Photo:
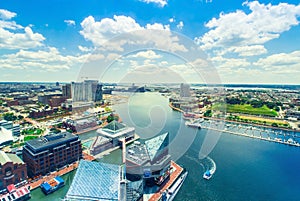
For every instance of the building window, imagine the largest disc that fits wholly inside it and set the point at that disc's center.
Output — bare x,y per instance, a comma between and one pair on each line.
16,178
8,171
23,175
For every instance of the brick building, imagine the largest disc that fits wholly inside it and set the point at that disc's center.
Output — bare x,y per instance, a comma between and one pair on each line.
12,170
50,152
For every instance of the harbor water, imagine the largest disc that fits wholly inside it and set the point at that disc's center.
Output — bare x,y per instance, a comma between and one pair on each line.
247,169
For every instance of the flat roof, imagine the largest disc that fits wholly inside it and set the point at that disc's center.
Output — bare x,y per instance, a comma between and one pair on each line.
48,141
95,181
137,153
141,153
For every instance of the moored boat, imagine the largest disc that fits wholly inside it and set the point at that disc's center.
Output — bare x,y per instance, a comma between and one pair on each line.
171,192
52,185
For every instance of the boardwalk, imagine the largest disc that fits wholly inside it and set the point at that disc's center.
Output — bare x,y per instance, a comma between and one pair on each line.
36,183
174,175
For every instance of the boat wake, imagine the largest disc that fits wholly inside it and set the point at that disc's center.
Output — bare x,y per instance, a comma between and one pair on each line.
211,170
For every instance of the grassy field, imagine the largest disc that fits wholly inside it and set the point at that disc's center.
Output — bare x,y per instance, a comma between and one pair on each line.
245,109
264,120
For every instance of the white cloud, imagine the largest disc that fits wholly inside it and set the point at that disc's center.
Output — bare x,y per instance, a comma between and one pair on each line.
251,50
149,54
84,49
262,24
180,25
25,40
283,63
158,26
223,63
70,22
6,15
124,30
100,32
50,60
160,3
15,36
172,19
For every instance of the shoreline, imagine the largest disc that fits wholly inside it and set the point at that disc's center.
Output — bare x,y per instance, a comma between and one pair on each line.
238,122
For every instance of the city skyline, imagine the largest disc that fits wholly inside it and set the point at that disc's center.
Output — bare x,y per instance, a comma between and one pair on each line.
246,41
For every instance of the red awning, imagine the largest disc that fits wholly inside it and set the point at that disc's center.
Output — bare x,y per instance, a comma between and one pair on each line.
11,188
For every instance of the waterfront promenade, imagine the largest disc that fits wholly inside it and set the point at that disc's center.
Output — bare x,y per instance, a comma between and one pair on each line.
269,139
68,168
173,177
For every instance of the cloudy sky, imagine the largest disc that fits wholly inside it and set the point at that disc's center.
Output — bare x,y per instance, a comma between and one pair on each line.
150,41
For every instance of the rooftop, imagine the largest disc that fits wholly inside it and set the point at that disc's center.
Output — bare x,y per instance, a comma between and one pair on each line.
7,157
5,135
95,181
114,126
156,145
141,153
50,140
115,129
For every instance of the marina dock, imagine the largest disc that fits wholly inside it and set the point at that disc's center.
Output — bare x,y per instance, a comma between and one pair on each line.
259,136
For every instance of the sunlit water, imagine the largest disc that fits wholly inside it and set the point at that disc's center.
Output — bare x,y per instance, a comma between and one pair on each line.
247,169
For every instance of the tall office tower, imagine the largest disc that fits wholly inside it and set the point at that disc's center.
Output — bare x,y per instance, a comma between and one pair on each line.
66,91
84,91
99,93
185,90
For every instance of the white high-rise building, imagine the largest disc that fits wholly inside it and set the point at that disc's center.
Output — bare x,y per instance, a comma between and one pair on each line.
185,90
84,91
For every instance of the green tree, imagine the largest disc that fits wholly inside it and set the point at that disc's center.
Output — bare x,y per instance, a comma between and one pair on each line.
9,117
208,113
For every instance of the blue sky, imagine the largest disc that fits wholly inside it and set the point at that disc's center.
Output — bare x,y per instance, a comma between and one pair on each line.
243,41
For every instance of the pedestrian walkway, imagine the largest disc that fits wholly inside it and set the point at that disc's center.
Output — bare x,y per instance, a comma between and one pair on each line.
173,177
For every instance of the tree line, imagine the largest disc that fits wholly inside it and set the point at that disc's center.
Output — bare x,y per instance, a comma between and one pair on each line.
253,103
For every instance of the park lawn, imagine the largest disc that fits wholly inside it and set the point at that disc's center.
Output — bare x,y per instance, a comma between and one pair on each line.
33,131
245,109
26,138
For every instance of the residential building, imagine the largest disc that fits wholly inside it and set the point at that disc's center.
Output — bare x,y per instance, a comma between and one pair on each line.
185,90
66,91
12,170
84,91
99,93
50,152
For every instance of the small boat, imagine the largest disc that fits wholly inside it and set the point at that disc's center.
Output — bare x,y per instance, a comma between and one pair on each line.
52,185
193,124
208,174
171,192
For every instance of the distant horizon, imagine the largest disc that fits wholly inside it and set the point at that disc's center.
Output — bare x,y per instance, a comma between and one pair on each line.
65,82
